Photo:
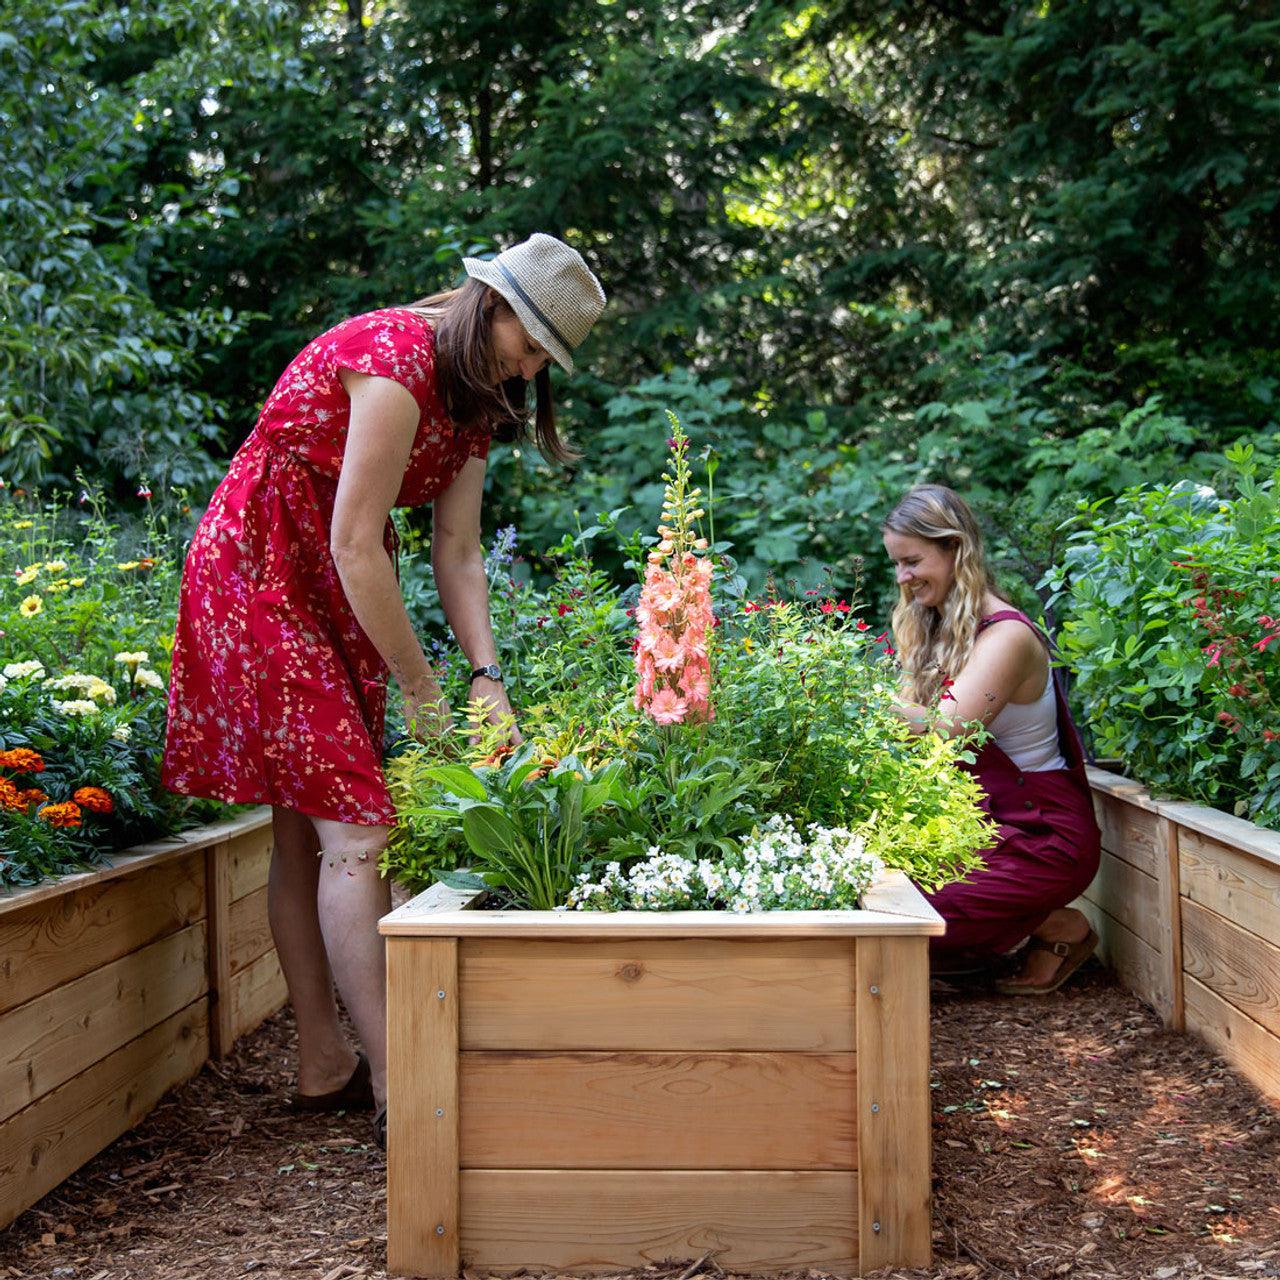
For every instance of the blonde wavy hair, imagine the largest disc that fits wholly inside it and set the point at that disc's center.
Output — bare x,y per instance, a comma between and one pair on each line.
934,644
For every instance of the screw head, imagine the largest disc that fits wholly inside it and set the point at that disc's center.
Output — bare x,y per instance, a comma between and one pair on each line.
439,995
875,991
875,1108
439,1111
440,1229
875,1226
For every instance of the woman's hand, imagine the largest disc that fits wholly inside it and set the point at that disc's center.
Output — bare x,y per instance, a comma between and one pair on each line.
492,695
427,714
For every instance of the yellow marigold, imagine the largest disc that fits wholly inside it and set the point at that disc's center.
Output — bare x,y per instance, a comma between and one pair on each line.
23,759
95,799
127,565
25,577
75,582
56,588
22,524
30,607
54,566
66,814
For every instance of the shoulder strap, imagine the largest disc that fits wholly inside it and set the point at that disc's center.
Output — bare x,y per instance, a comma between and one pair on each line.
1016,614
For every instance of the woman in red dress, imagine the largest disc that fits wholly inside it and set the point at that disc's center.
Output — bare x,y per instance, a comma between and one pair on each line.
967,655
291,616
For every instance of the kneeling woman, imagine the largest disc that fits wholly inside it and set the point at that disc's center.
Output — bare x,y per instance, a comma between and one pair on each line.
968,655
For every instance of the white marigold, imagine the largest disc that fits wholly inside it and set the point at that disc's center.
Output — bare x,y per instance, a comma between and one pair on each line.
76,707
24,670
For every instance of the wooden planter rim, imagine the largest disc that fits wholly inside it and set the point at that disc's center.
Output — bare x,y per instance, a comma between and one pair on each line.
893,905
139,855
1240,833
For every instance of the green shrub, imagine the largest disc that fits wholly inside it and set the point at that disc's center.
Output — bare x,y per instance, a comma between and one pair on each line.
1173,600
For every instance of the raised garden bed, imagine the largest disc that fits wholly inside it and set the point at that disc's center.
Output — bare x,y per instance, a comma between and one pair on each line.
592,1090
1187,906
118,983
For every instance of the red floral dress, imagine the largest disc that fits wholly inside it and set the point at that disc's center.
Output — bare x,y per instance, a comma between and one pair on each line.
277,696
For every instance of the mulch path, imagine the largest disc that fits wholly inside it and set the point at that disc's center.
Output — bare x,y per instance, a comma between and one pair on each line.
1072,1137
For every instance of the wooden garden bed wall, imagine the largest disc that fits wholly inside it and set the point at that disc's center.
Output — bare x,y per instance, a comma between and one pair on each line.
1187,906
117,984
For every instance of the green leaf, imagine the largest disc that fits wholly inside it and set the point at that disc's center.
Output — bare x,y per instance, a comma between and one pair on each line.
459,780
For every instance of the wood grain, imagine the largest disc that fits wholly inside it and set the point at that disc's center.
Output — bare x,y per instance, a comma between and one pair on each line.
256,992
1137,964
217,879
605,1220
1130,896
893,1103
59,1034
1243,888
1238,833
1249,1047
47,1141
58,938
1233,963
250,931
1128,831
250,860
657,994
658,1111
422,1107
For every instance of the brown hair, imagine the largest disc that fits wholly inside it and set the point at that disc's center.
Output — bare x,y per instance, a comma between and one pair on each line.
463,323
936,643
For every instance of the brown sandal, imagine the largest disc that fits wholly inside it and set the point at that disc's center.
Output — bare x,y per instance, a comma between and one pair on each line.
1072,956
355,1095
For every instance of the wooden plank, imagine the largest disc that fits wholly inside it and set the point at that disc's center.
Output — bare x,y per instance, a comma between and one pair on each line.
250,860
57,939
1226,828
657,924
422,1095
657,994
217,870
892,1000
1129,896
1123,788
1128,831
257,991
131,860
1243,888
1170,945
658,1111
893,893
609,1219
1249,1047
50,1039
47,1141
1232,962
250,931
1137,964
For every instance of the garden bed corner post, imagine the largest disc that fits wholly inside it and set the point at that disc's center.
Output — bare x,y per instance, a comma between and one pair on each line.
892,1011
422,1133
217,870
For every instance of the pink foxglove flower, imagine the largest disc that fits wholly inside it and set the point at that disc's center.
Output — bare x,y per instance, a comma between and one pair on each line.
673,667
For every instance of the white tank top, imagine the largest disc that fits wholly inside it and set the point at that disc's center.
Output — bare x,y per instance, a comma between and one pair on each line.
1028,732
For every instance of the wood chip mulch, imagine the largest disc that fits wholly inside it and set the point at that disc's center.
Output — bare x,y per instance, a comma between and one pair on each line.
1072,1137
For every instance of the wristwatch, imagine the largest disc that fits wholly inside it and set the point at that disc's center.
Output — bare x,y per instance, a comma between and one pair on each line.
490,671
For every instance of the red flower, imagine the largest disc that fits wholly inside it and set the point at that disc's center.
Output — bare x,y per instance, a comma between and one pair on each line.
1270,735
562,609
751,607
862,626
843,606
1261,645
827,607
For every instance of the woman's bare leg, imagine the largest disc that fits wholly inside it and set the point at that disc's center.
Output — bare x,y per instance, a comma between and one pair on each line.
1066,924
325,1059
352,896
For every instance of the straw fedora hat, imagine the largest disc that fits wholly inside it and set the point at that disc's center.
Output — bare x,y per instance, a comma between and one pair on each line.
549,287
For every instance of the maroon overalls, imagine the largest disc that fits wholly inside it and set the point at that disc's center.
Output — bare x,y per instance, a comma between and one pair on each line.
1047,849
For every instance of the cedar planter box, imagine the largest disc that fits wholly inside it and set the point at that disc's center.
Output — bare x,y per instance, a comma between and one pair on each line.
590,1091
1187,906
117,984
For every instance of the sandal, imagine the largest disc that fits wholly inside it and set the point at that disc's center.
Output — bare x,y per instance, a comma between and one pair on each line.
355,1095
1072,956
380,1128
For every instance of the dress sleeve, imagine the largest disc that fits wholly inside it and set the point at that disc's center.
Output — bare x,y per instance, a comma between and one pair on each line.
478,446
398,346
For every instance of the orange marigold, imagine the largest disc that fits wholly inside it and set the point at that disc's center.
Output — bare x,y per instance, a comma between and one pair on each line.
94,799
65,814
10,796
23,759
32,795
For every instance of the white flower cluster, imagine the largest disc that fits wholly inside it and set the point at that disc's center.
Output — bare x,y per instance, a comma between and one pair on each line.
776,869
24,670
93,688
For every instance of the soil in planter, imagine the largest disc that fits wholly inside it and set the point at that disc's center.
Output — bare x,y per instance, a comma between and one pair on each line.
1072,1137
